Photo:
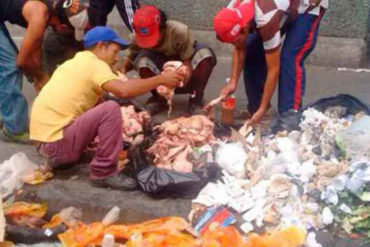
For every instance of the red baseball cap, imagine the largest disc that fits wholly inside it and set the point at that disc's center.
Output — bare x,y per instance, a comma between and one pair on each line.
146,26
231,20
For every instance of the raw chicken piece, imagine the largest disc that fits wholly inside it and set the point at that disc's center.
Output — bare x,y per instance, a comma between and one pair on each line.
166,92
132,124
176,140
209,107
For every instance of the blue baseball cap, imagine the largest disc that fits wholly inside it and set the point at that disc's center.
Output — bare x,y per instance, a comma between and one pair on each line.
103,34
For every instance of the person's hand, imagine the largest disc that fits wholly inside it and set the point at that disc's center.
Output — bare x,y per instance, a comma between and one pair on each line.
227,90
256,118
171,79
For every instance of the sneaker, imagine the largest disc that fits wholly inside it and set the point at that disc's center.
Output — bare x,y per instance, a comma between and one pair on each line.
7,136
156,105
117,182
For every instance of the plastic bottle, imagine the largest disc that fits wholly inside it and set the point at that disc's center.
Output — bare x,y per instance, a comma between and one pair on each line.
227,110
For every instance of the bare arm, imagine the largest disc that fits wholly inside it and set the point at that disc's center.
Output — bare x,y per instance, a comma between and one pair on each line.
29,58
136,87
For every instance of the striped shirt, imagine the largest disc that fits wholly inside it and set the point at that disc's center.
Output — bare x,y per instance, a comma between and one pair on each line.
272,15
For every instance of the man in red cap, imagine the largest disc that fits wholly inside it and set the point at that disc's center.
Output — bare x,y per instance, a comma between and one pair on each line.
158,40
256,29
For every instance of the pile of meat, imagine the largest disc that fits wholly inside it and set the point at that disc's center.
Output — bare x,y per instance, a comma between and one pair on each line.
166,92
177,139
132,124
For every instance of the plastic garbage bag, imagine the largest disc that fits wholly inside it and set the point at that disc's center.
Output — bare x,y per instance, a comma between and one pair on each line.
12,172
159,182
232,158
354,142
291,119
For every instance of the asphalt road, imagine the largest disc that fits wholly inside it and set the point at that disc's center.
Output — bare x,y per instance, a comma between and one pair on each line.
70,190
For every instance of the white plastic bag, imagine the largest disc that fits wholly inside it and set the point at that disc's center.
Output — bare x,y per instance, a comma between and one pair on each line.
232,158
354,141
12,171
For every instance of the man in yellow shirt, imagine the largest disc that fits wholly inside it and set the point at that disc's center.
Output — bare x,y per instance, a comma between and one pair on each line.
64,118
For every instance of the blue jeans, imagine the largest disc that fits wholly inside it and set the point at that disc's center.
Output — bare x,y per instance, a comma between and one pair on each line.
13,105
300,40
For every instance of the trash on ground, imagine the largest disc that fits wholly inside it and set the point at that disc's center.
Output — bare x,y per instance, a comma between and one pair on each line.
19,170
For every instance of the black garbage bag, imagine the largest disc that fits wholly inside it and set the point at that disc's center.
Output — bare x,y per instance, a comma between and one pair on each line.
290,120
352,104
161,183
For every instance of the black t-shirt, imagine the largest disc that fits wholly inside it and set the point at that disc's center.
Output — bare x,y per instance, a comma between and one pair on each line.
11,10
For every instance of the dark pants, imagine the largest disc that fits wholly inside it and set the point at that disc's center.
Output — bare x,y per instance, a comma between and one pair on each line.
103,121
13,104
149,63
300,40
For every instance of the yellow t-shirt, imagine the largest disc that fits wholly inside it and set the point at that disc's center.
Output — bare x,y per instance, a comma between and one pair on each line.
74,88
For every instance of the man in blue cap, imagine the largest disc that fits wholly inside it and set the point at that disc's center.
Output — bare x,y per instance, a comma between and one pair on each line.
65,118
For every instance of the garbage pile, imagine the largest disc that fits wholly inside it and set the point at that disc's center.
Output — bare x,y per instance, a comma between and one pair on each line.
299,178
176,140
162,232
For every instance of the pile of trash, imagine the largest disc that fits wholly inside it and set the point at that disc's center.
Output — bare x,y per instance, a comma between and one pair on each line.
313,178
19,170
177,139
71,231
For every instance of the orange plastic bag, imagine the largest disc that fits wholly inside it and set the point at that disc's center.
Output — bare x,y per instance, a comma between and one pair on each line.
223,237
82,235
162,239
54,222
289,237
26,209
162,224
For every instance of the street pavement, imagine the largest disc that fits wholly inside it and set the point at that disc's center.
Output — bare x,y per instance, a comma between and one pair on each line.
70,187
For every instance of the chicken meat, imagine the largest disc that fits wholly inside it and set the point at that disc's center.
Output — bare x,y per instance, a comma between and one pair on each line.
176,141
166,92
132,124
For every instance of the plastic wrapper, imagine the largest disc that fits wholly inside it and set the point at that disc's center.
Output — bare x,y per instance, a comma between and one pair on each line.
232,158
12,172
288,237
25,214
354,141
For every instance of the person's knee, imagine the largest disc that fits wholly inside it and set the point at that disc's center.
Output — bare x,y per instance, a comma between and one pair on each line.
112,107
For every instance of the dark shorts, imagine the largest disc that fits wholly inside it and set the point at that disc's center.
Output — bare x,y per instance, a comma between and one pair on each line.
155,61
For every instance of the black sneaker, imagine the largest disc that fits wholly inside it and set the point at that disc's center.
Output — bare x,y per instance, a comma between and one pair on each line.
118,182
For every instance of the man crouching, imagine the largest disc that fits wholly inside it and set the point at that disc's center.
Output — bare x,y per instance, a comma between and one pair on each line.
65,118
